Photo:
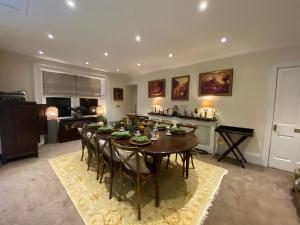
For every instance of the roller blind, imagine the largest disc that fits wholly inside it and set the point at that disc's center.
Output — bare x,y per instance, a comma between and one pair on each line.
88,86
59,84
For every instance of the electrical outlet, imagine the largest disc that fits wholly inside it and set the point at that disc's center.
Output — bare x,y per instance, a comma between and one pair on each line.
220,141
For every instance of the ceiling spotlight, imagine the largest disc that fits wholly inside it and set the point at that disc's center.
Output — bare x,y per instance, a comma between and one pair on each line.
223,39
170,55
139,65
71,4
106,54
87,63
203,6
117,70
50,36
138,38
41,52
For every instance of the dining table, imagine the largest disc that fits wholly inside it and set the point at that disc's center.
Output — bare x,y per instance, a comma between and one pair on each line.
164,145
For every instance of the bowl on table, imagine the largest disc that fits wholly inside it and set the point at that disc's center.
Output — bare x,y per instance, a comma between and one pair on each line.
121,134
105,129
139,140
177,131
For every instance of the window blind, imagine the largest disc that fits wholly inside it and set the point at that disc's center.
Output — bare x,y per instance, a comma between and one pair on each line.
59,84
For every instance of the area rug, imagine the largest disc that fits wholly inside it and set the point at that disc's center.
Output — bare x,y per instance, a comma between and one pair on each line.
183,201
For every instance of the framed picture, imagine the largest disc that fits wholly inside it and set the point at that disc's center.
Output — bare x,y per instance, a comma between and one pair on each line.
180,88
216,83
157,88
118,94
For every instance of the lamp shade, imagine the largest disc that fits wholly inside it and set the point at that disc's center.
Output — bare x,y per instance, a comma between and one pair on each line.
99,110
52,113
206,104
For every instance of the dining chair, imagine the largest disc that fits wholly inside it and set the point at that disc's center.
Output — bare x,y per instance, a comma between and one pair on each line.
190,129
109,160
133,166
166,122
83,135
93,149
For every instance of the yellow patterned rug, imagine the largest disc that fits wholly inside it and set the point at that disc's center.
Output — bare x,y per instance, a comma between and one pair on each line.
183,201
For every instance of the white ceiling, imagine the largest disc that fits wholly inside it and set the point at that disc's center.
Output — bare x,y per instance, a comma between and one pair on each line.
166,26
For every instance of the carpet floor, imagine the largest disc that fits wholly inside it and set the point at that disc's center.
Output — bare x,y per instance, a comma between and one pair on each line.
183,201
31,193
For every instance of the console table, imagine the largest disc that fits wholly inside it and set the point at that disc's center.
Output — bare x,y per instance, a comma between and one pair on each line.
68,131
205,131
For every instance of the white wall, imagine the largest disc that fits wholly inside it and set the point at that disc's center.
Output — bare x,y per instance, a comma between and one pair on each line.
247,107
17,73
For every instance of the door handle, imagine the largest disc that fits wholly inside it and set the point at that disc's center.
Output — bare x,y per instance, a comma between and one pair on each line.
297,130
275,127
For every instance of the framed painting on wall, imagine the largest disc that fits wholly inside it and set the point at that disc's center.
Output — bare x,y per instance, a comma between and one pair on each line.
157,88
118,94
216,83
180,88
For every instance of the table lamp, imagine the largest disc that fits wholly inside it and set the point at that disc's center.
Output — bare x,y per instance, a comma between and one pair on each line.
52,113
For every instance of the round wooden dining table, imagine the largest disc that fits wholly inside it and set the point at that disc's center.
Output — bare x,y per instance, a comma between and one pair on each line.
163,146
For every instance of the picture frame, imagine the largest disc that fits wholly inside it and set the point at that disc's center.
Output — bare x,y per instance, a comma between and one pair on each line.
157,88
180,88
218,83
118,94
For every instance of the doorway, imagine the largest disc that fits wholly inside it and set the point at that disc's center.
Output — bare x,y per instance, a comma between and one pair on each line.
133,99
285,136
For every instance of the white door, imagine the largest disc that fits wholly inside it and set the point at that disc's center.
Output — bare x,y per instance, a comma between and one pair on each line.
285,142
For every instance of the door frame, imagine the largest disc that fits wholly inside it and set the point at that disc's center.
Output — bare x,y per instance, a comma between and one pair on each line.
271,97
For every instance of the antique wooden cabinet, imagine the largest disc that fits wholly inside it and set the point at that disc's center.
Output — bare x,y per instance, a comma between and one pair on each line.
21,124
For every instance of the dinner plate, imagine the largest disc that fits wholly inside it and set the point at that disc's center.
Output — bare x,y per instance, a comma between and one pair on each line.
139,143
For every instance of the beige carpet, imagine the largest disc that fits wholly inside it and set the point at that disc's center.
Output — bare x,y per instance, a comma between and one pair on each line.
183,201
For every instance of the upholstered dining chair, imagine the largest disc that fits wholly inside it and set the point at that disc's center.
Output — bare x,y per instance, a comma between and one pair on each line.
133,166
190,129
83,134
93,149
168,123
109,160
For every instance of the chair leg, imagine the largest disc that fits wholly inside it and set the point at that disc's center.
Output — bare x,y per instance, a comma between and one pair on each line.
82,149
103,168
176,158
89,160
111,183
192,161
168,161
138,199
98,165
121,184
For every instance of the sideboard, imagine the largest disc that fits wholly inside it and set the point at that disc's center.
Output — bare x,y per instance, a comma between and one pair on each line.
205,131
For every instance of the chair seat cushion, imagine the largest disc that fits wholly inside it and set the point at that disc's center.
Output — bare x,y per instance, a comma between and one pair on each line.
131,163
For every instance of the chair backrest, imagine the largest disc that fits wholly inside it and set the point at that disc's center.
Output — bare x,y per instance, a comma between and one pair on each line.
166,122
191,127
126,155
92,143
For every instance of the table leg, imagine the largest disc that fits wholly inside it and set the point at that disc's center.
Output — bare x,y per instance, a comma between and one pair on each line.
187,160
157,163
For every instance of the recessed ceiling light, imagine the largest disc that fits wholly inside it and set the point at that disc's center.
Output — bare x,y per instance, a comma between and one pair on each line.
139,65
117,70
138,38
87,63
105,53
71,4
41,52
170,55
223,39
50,36
203,6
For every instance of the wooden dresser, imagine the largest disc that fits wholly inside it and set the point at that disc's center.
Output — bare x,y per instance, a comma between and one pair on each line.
21,124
